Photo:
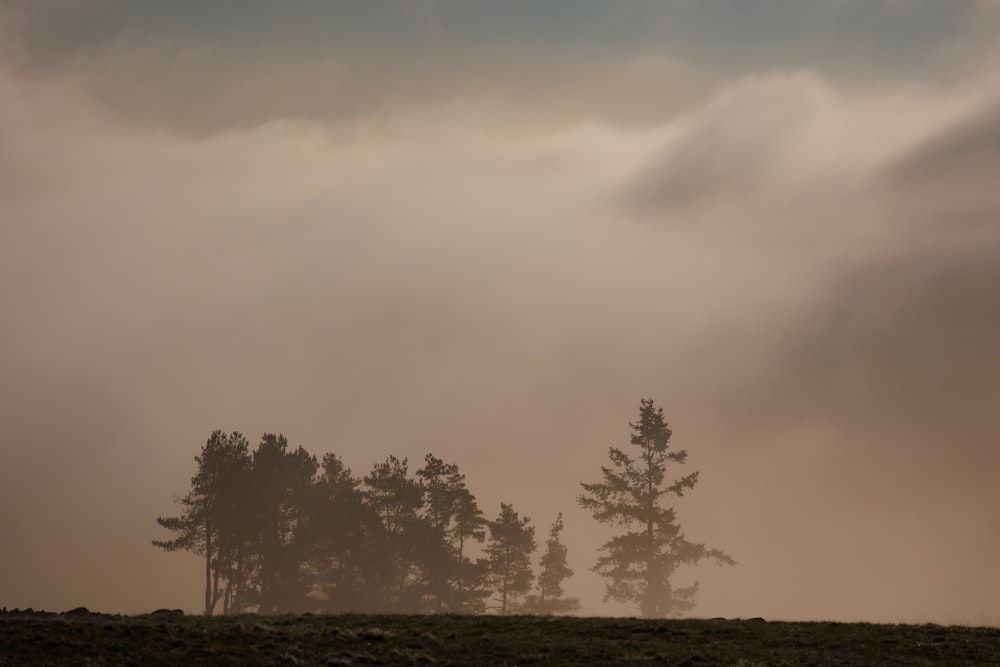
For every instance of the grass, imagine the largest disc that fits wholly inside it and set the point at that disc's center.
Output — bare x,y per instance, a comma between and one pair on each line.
97,639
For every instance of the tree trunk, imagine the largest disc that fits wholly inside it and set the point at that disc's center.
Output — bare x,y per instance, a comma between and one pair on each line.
650,602
208,567
506,579
216,593
460,584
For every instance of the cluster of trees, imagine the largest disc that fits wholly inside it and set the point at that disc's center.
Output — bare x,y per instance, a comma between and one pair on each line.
281,531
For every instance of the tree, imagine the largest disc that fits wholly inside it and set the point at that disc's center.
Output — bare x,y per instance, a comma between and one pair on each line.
434,550
342,531
512,541
453,518
282,480
236,556
470,585
210,521
639,563
554,570
396,499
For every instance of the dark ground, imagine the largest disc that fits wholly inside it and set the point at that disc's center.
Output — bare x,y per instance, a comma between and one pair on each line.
163,638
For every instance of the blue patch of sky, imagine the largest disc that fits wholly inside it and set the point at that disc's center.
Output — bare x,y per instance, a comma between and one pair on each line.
887,33
723,33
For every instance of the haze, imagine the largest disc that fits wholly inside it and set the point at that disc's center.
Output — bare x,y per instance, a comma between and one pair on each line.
485,230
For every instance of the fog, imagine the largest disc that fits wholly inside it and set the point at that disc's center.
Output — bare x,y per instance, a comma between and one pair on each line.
492,258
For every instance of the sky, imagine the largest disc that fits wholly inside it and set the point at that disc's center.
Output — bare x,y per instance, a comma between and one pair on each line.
485,230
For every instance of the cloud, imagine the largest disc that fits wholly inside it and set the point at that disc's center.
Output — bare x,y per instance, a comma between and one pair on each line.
408,286
202,68
906,343
947,181
412,284
894,362
795,154
435,258
879,370
974,145
905,338
739,146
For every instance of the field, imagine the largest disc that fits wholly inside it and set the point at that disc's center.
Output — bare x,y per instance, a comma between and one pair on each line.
81,638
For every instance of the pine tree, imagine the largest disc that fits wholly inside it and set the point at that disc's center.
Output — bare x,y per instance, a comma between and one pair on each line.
396,498
282,481
344,565
210,522
554,570
639,563
470,585
434,550
512,541
453,518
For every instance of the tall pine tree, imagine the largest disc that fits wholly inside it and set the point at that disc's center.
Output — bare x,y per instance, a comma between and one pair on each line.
639,563
396,499
512,541
343,533
282,481
210,522
453,518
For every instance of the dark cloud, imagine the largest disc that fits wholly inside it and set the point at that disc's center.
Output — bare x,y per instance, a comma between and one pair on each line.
897,366
897,362
950,179
907,340
908,337
209,66
908,343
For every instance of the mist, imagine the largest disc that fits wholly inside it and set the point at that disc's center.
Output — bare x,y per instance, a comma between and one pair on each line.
796,260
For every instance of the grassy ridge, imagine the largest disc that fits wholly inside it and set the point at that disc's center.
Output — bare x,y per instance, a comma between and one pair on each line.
91,639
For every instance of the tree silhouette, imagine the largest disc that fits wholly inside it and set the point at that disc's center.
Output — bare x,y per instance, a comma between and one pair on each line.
512,541
237,553
281,481
210,523
639,563
554,570
453,518
343,529
469,525
435,554
396,498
